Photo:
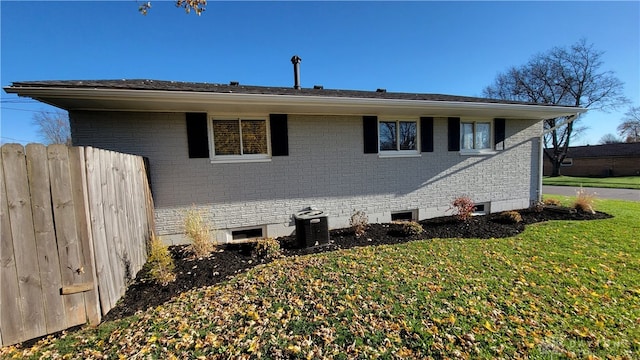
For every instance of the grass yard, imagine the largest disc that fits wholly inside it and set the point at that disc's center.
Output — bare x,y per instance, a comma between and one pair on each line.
562,289
623,182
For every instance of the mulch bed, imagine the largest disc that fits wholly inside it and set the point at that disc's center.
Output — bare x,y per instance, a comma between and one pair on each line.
230,260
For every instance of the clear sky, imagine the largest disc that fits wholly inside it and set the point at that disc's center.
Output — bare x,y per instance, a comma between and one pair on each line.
454,48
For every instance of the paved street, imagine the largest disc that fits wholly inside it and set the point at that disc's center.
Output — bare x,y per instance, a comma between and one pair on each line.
602,193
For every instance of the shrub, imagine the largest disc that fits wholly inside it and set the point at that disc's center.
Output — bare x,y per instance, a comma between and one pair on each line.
551,202
359,222
584,201
411,228
160,262
510,217
196,229
266,248
463,208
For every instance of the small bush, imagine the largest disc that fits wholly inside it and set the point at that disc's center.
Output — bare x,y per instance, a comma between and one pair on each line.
266,248
463,208
359,222
411,228
196,229
510,217
551,202
160,262
584,201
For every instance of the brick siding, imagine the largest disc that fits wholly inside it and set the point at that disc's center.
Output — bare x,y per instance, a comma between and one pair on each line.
326,169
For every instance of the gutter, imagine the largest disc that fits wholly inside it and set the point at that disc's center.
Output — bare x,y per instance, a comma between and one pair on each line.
159,98
570,119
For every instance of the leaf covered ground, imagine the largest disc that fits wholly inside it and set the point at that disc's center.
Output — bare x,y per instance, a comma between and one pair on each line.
560,289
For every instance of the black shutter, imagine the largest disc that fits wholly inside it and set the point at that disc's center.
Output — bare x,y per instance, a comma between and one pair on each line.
197,135
279,135
370,128
426,134
454,134
498,133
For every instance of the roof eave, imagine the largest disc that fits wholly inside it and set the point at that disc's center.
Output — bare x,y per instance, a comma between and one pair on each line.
101,99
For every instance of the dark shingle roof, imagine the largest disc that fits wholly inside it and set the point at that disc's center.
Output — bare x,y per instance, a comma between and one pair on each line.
139,84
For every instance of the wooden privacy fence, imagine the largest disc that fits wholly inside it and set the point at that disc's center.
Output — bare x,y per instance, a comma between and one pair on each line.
74,227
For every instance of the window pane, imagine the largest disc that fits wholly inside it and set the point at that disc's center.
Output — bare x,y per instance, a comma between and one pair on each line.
388,135
408,134
226,137
483,135
254,137
466,135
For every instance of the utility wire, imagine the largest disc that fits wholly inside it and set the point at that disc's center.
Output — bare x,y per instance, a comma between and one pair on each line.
10,138
38,111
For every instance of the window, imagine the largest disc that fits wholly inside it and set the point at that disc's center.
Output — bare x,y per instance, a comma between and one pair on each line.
246,234
475,135
240,139
398,136
482,209
410,215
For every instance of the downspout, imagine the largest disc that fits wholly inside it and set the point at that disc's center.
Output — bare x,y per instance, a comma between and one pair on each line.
541,144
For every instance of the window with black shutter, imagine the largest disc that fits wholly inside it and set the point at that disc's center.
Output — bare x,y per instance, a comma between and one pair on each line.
499,136
370,128
426,134
454,133
197,135
279,135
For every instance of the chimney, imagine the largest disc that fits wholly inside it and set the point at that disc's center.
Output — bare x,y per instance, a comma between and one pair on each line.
295,60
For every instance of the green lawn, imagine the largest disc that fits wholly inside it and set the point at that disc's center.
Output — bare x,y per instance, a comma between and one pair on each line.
564,289
623,182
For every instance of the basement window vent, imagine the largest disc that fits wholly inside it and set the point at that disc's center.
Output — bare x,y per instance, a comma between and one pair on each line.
244,234
482,209
410,215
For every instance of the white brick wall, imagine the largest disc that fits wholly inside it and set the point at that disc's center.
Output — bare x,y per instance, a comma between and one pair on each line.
326,169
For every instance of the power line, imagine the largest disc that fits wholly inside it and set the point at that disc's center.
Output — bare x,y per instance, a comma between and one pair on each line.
37,111
10,138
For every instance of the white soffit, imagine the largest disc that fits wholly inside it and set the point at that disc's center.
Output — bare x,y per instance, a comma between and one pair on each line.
192,101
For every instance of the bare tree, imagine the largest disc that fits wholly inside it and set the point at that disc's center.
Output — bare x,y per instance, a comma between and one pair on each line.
609,139
629,129
197,6
53,127
562,76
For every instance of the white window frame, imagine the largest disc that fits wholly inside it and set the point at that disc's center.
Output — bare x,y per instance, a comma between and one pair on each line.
398,152
242,157
491,149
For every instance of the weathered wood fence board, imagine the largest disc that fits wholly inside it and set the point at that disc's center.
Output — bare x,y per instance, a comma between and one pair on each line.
79,177
24,241
11,324
75,224
47,251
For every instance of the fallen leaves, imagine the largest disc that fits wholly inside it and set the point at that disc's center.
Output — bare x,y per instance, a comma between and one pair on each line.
526,297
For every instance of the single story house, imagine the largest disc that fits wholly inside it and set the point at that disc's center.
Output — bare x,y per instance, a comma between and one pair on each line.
621,159
252,156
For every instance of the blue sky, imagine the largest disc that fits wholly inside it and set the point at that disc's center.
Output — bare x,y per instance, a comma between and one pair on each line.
453,48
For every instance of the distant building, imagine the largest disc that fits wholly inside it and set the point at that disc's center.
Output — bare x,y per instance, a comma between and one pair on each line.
599,160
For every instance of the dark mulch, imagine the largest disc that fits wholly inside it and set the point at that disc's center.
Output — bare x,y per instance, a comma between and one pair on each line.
233,259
